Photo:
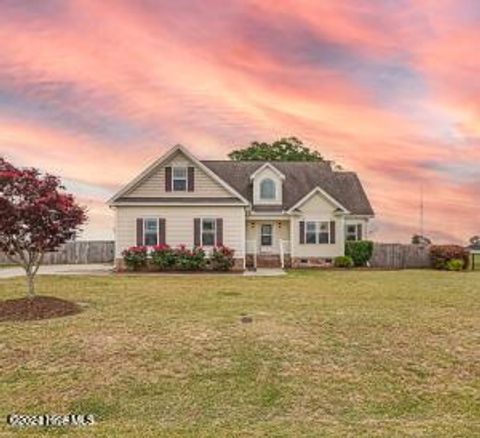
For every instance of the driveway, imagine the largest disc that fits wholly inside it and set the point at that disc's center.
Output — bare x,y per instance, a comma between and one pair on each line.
93,269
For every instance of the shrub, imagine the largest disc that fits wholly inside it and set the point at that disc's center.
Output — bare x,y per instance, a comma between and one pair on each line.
343,262
441,254
189,260
359,251
135,257
163,257
454,265
222,258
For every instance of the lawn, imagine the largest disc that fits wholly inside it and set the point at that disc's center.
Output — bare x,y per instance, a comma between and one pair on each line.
327,354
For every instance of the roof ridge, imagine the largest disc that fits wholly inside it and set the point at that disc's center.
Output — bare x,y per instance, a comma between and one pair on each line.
268,161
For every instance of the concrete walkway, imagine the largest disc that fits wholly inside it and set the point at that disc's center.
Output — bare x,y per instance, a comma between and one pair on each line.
265,272
106,269
93,269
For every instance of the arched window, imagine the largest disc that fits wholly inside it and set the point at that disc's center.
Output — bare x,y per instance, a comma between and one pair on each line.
267,189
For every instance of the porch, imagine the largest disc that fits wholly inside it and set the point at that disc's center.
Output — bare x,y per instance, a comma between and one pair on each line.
268,243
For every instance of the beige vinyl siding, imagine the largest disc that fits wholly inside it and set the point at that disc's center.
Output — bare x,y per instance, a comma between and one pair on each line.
281,230
179,225
318,208
270,174
154,184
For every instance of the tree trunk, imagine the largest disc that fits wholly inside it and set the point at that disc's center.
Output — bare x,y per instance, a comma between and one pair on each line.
31,285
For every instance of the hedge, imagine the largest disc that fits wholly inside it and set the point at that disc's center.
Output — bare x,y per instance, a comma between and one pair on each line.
440,255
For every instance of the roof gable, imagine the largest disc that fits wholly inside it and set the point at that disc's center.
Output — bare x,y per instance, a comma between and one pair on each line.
267,165
133,187
322,193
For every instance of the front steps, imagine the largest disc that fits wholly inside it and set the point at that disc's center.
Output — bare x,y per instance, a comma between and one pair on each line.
267,261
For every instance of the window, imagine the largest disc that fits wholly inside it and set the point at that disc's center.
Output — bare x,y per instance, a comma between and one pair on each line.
267,189
179,177
266,233
323,232
150,232
208,232
311,232
317,232
351,232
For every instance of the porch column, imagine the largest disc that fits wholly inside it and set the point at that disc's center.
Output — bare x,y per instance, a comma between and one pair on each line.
291,238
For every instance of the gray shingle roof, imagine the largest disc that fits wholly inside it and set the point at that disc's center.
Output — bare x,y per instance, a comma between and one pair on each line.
300,179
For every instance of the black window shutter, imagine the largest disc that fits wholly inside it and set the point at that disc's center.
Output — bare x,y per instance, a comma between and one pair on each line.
302,231
196,232
332,232
191,179
359,231
161,231
219,230
168,179
139,231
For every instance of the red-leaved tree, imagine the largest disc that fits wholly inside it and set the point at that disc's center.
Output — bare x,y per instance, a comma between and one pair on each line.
36,216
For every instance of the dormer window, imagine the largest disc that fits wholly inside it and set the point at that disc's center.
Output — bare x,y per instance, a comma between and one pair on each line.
179,179
267,189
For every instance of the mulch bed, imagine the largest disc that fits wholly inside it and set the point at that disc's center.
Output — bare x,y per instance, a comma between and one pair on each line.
40,307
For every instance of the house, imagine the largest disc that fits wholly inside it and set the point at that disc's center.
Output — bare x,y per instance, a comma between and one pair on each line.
271,213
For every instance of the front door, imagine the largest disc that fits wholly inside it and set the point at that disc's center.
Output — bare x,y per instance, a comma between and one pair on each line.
266,237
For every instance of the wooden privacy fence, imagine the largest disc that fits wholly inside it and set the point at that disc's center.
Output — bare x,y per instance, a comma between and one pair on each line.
400,256
78,253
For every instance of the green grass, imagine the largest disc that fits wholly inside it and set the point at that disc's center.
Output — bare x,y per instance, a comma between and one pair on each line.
374,354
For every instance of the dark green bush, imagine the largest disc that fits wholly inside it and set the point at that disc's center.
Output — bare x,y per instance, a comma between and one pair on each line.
454,265
441,254
222,258
135,257
343,262
359,251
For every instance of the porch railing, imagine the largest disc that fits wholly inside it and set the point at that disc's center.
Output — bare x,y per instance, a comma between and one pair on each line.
251,247
284,249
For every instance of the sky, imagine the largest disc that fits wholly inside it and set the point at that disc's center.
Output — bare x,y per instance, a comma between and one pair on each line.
95,90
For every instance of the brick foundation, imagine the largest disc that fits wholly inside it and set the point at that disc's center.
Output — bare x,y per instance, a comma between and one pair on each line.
238,266
312,262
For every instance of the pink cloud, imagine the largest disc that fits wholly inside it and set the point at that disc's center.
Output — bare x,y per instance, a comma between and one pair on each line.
217,77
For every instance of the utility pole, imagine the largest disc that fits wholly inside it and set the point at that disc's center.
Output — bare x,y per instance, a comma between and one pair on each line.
421,212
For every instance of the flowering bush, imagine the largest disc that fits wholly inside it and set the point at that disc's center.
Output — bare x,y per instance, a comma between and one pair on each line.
189,260
440,255
163,257
222,258
135,257
181,258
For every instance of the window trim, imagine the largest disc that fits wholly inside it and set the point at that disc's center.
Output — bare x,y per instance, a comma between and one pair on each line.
317,232
213,231
262,182
157,220
179,179
270,235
